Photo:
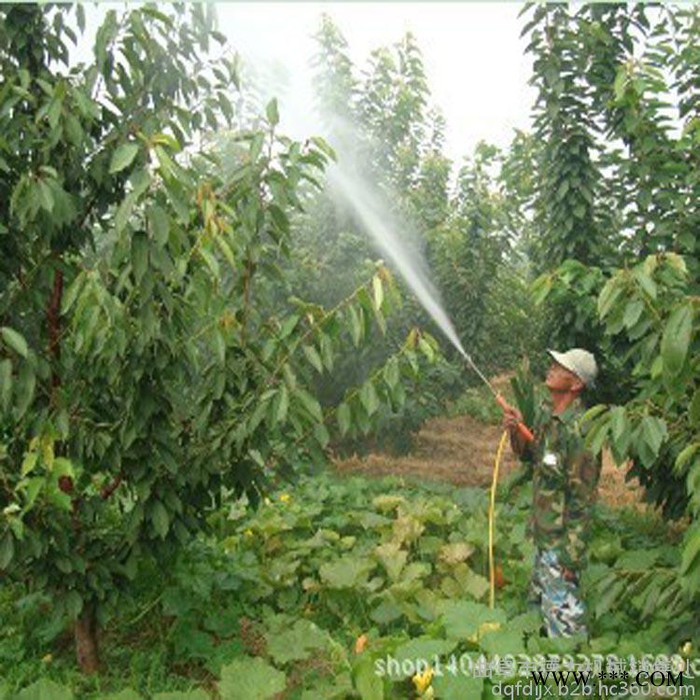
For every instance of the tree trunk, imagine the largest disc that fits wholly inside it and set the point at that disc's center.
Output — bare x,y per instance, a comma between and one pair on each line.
86,641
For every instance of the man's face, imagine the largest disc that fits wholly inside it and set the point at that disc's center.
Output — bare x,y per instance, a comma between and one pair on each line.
560,380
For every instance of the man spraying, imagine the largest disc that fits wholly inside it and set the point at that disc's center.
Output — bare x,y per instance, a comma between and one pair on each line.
565,479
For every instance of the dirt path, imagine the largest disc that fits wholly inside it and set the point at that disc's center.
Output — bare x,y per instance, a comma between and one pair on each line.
461,450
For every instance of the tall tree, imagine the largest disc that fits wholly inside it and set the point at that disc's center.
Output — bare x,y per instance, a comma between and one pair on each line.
142,372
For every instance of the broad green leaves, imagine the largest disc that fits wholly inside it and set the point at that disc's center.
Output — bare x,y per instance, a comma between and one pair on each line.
45,690
676,338
690,563
348,572
123,157
14,340
297,642
250,679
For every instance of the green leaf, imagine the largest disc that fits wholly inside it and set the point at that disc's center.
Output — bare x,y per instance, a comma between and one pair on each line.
123,157
281,404
462,619
126,694
645,281
45,689
355,326
249,678
344,419
140,181
593,413
503,641
458,686
7,550
473,584
32,489
633,312
25,386
74,604
296,643
124,212
160,224
608,296
386,612
5,384
288,326
425,648
45,196
160,519
226,250
29,462
541,288
393,558
198,694
256,146
321,434
676,339
618,422
14,341
326,351
391,372
210,261
653,431
168,168
427,349
289,376
346,572
690,560
71,294
272,112
369,685
310,403
685,456
139,255
369,399
314,358
694,409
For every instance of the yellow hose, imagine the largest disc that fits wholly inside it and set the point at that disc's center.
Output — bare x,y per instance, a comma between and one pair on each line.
492,518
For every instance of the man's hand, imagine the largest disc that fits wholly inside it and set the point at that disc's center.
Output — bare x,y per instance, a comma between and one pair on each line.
512,421
511,417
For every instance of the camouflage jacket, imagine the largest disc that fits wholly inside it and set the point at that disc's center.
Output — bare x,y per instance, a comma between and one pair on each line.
565,481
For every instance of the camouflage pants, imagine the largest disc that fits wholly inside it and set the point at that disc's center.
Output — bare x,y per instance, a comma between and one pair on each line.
559,600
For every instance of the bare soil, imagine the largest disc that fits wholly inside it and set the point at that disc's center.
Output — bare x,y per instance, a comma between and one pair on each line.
461,451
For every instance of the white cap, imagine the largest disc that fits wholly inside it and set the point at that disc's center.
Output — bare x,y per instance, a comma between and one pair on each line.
581,362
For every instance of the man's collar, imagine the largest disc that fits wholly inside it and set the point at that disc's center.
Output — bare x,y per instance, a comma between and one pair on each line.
569,413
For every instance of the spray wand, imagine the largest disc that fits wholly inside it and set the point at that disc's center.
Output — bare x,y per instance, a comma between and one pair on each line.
524,431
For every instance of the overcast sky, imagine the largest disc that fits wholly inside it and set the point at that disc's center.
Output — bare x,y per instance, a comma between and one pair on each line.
474,58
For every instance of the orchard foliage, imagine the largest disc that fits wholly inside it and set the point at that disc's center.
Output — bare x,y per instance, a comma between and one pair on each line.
620,201
652,306
140,375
